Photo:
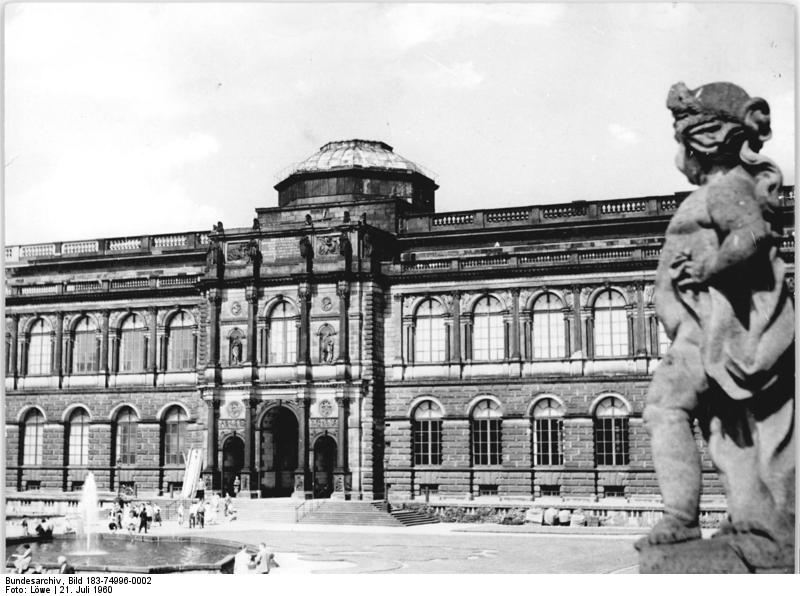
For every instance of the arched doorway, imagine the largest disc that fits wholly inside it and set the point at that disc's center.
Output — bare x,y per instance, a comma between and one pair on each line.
279,436
232,462
324,462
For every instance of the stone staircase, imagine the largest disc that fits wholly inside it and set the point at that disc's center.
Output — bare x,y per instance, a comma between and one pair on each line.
412,517
278,510
362,513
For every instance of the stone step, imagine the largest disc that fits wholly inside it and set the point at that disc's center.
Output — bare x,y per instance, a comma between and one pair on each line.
354,513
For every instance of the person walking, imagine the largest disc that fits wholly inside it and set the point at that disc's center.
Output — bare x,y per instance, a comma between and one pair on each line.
201,514
181,513
143,520
157,515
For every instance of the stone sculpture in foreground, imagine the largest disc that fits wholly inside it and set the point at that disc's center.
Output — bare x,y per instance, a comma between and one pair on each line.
722,298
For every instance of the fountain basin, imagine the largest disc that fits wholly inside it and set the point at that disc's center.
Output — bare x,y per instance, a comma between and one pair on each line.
135,554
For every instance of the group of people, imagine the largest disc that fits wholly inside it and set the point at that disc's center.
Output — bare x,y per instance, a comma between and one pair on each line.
134,517
43,529
205,511
23,557
261,562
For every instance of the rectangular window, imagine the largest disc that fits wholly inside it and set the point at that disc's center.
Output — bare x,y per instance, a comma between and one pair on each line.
550,490
77,485
39,355
174,443
427,442
430,340
84,354
548,441
611,440
78,444
131,357
488,338
487,490
283,342
614,491
33,484
611,333
181,349
486,445
428,490
126,442
33,445
548,335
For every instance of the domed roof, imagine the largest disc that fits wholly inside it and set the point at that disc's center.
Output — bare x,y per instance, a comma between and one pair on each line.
356,153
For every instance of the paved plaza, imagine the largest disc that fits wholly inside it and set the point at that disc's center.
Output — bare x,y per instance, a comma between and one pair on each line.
439,548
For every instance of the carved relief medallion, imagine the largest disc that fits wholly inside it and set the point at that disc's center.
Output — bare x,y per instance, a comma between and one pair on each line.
325,408
235,409
236,309
327,304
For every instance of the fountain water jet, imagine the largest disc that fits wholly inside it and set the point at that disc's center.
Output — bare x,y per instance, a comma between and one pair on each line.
89,509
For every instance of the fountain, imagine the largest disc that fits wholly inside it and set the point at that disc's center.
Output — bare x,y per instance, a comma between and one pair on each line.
89,508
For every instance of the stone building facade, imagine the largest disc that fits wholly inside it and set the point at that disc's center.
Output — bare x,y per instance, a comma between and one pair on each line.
351,341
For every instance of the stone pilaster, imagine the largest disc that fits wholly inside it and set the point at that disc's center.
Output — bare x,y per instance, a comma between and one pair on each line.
302,475
304,335
343,292
12,356
341,475
515,353
455,342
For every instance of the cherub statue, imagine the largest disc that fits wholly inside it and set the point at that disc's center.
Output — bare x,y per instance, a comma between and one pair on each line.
721,295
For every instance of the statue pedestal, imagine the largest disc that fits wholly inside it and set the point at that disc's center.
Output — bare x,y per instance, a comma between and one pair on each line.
341,486
727,554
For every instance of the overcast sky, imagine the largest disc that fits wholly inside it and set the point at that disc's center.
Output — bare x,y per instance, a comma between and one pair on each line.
130,119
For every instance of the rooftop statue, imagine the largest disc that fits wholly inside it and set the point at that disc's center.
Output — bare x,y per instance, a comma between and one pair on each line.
722,297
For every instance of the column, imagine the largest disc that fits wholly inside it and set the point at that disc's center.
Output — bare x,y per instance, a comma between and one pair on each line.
467,319
212,439
631,335
515,355
12,356
248,477
104,343
341,482
455,345
251,294
304,298
408,339
567,333
577,335
153,344
343,292
58,368
301,475
641,331
214,300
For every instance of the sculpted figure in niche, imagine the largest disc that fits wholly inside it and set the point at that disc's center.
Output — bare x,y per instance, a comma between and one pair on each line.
721,295
327,344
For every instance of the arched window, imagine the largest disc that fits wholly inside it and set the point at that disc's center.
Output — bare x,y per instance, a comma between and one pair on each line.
78,446
282,334
40,349
488,341
663,341
611,432
174,436
486,441
429,332
548,424
180,342
427,429
33,438
132,338
610,325
327,344
548,327
235,347
126,436
86,347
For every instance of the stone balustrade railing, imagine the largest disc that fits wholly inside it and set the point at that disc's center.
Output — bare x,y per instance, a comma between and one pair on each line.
98,286
555,258
108,246
658,206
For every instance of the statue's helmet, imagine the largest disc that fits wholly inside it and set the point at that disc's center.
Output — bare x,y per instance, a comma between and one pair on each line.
718,117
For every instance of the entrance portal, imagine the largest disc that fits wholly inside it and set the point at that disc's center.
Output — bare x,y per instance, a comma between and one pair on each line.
324,462
232,462
279,436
